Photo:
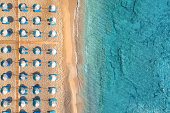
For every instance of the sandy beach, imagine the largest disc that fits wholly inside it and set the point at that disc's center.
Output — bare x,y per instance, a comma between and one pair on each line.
67,81
73,102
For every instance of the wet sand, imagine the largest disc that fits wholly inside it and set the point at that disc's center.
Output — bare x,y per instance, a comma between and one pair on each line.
69,62
73,101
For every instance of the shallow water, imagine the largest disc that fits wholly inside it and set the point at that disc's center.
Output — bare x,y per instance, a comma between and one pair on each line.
127,56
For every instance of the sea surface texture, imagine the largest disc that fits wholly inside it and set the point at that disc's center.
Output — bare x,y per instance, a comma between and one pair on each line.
127,56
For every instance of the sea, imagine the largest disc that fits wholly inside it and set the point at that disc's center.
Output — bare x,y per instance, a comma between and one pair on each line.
127,56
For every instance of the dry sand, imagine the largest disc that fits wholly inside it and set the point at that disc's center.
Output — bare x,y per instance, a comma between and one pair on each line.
68,85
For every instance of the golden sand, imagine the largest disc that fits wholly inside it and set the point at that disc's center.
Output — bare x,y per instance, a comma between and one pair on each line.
69,63
73,100
65,58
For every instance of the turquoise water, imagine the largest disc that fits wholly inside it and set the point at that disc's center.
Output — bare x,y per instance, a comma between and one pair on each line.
127,56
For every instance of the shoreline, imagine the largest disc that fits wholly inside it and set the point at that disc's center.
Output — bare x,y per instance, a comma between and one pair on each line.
107,90
72,102
79,51
78,38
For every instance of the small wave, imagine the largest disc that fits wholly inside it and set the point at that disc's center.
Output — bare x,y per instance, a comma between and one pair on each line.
75,26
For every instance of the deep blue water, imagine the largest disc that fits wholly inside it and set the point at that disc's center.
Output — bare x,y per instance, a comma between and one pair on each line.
127,56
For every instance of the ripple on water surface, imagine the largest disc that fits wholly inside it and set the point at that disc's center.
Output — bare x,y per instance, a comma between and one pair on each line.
127,56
